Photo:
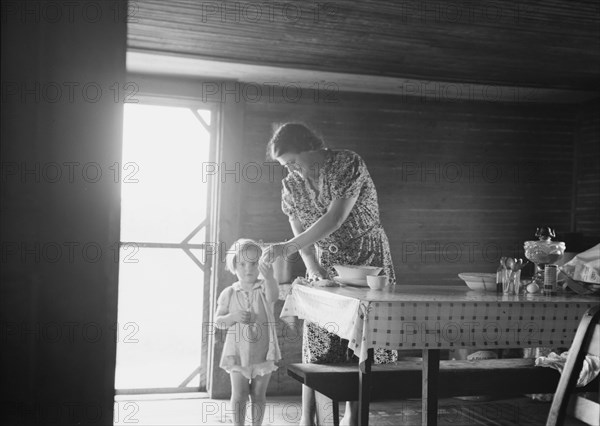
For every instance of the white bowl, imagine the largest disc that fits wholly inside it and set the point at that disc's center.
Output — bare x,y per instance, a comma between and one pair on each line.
353,272
479,281
377,282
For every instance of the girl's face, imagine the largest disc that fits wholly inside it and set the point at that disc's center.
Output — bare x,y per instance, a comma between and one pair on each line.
300,163
246,266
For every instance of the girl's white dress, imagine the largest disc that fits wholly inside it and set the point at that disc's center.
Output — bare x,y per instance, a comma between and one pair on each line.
251,349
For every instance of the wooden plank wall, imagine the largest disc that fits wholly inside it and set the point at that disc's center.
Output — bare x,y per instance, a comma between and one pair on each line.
550,44
459,184
587,198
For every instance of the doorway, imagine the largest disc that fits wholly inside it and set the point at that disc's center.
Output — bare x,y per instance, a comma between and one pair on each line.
165,271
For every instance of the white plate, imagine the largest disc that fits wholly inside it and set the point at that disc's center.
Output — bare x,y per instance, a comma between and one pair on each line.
353,282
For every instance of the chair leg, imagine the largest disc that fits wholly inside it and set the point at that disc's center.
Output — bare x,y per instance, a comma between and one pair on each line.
570,374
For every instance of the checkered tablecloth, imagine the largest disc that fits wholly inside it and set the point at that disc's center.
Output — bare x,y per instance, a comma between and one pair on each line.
438,317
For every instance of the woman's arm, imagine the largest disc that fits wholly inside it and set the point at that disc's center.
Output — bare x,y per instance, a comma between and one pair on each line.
308,253
336,214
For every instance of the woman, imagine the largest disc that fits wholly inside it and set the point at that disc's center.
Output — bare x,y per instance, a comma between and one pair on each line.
331,203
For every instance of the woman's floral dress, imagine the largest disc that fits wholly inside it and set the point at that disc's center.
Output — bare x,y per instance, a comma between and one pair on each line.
359,241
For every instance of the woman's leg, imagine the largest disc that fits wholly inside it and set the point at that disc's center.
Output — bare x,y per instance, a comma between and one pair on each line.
382,356
240,389
322,347
258,396
308,407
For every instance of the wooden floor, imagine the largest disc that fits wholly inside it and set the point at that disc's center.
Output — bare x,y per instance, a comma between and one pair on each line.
285,411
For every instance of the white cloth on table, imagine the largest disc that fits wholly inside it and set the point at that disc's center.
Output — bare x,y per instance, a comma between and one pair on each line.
582,273
400,320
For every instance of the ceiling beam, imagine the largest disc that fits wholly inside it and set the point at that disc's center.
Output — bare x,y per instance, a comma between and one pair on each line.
145,62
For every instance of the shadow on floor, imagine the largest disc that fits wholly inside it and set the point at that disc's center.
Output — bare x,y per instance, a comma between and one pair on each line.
285,411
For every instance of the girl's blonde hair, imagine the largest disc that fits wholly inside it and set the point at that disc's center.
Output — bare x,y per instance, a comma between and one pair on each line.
240,249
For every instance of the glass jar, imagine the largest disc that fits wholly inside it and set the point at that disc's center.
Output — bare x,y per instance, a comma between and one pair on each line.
512,282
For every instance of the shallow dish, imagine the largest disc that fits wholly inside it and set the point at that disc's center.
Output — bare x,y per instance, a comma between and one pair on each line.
479,281
352,272
351,282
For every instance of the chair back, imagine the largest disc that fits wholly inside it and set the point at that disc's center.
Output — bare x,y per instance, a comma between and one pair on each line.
586,341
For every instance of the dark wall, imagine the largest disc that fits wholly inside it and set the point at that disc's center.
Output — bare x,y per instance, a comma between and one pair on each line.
63,75
587,172
459,184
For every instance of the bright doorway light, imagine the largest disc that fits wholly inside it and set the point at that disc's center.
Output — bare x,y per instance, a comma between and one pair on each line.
162,274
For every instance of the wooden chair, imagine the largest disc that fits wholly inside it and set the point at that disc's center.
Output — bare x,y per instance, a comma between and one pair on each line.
587,341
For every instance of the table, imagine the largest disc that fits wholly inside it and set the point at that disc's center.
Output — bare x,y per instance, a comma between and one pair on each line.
432,318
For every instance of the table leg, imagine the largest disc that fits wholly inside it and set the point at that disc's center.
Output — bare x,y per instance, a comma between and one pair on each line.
364,391
430,375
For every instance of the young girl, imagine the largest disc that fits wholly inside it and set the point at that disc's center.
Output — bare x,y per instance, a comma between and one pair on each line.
246,309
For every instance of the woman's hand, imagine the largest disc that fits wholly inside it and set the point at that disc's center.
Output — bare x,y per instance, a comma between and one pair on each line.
317,272
271,253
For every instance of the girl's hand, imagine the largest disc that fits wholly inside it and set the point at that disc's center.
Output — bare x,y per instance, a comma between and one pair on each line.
266,269
243,317
271,284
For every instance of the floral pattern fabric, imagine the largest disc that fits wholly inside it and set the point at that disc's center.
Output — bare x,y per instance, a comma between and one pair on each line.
360,240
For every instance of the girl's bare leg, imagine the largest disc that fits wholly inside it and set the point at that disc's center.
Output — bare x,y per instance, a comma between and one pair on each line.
350,415
308,407
240,389
258,396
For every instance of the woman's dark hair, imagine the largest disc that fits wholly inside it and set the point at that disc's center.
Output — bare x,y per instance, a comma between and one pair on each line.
293,137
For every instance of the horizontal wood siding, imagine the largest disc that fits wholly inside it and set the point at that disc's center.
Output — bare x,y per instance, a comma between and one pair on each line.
537,44
587,200
459,184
